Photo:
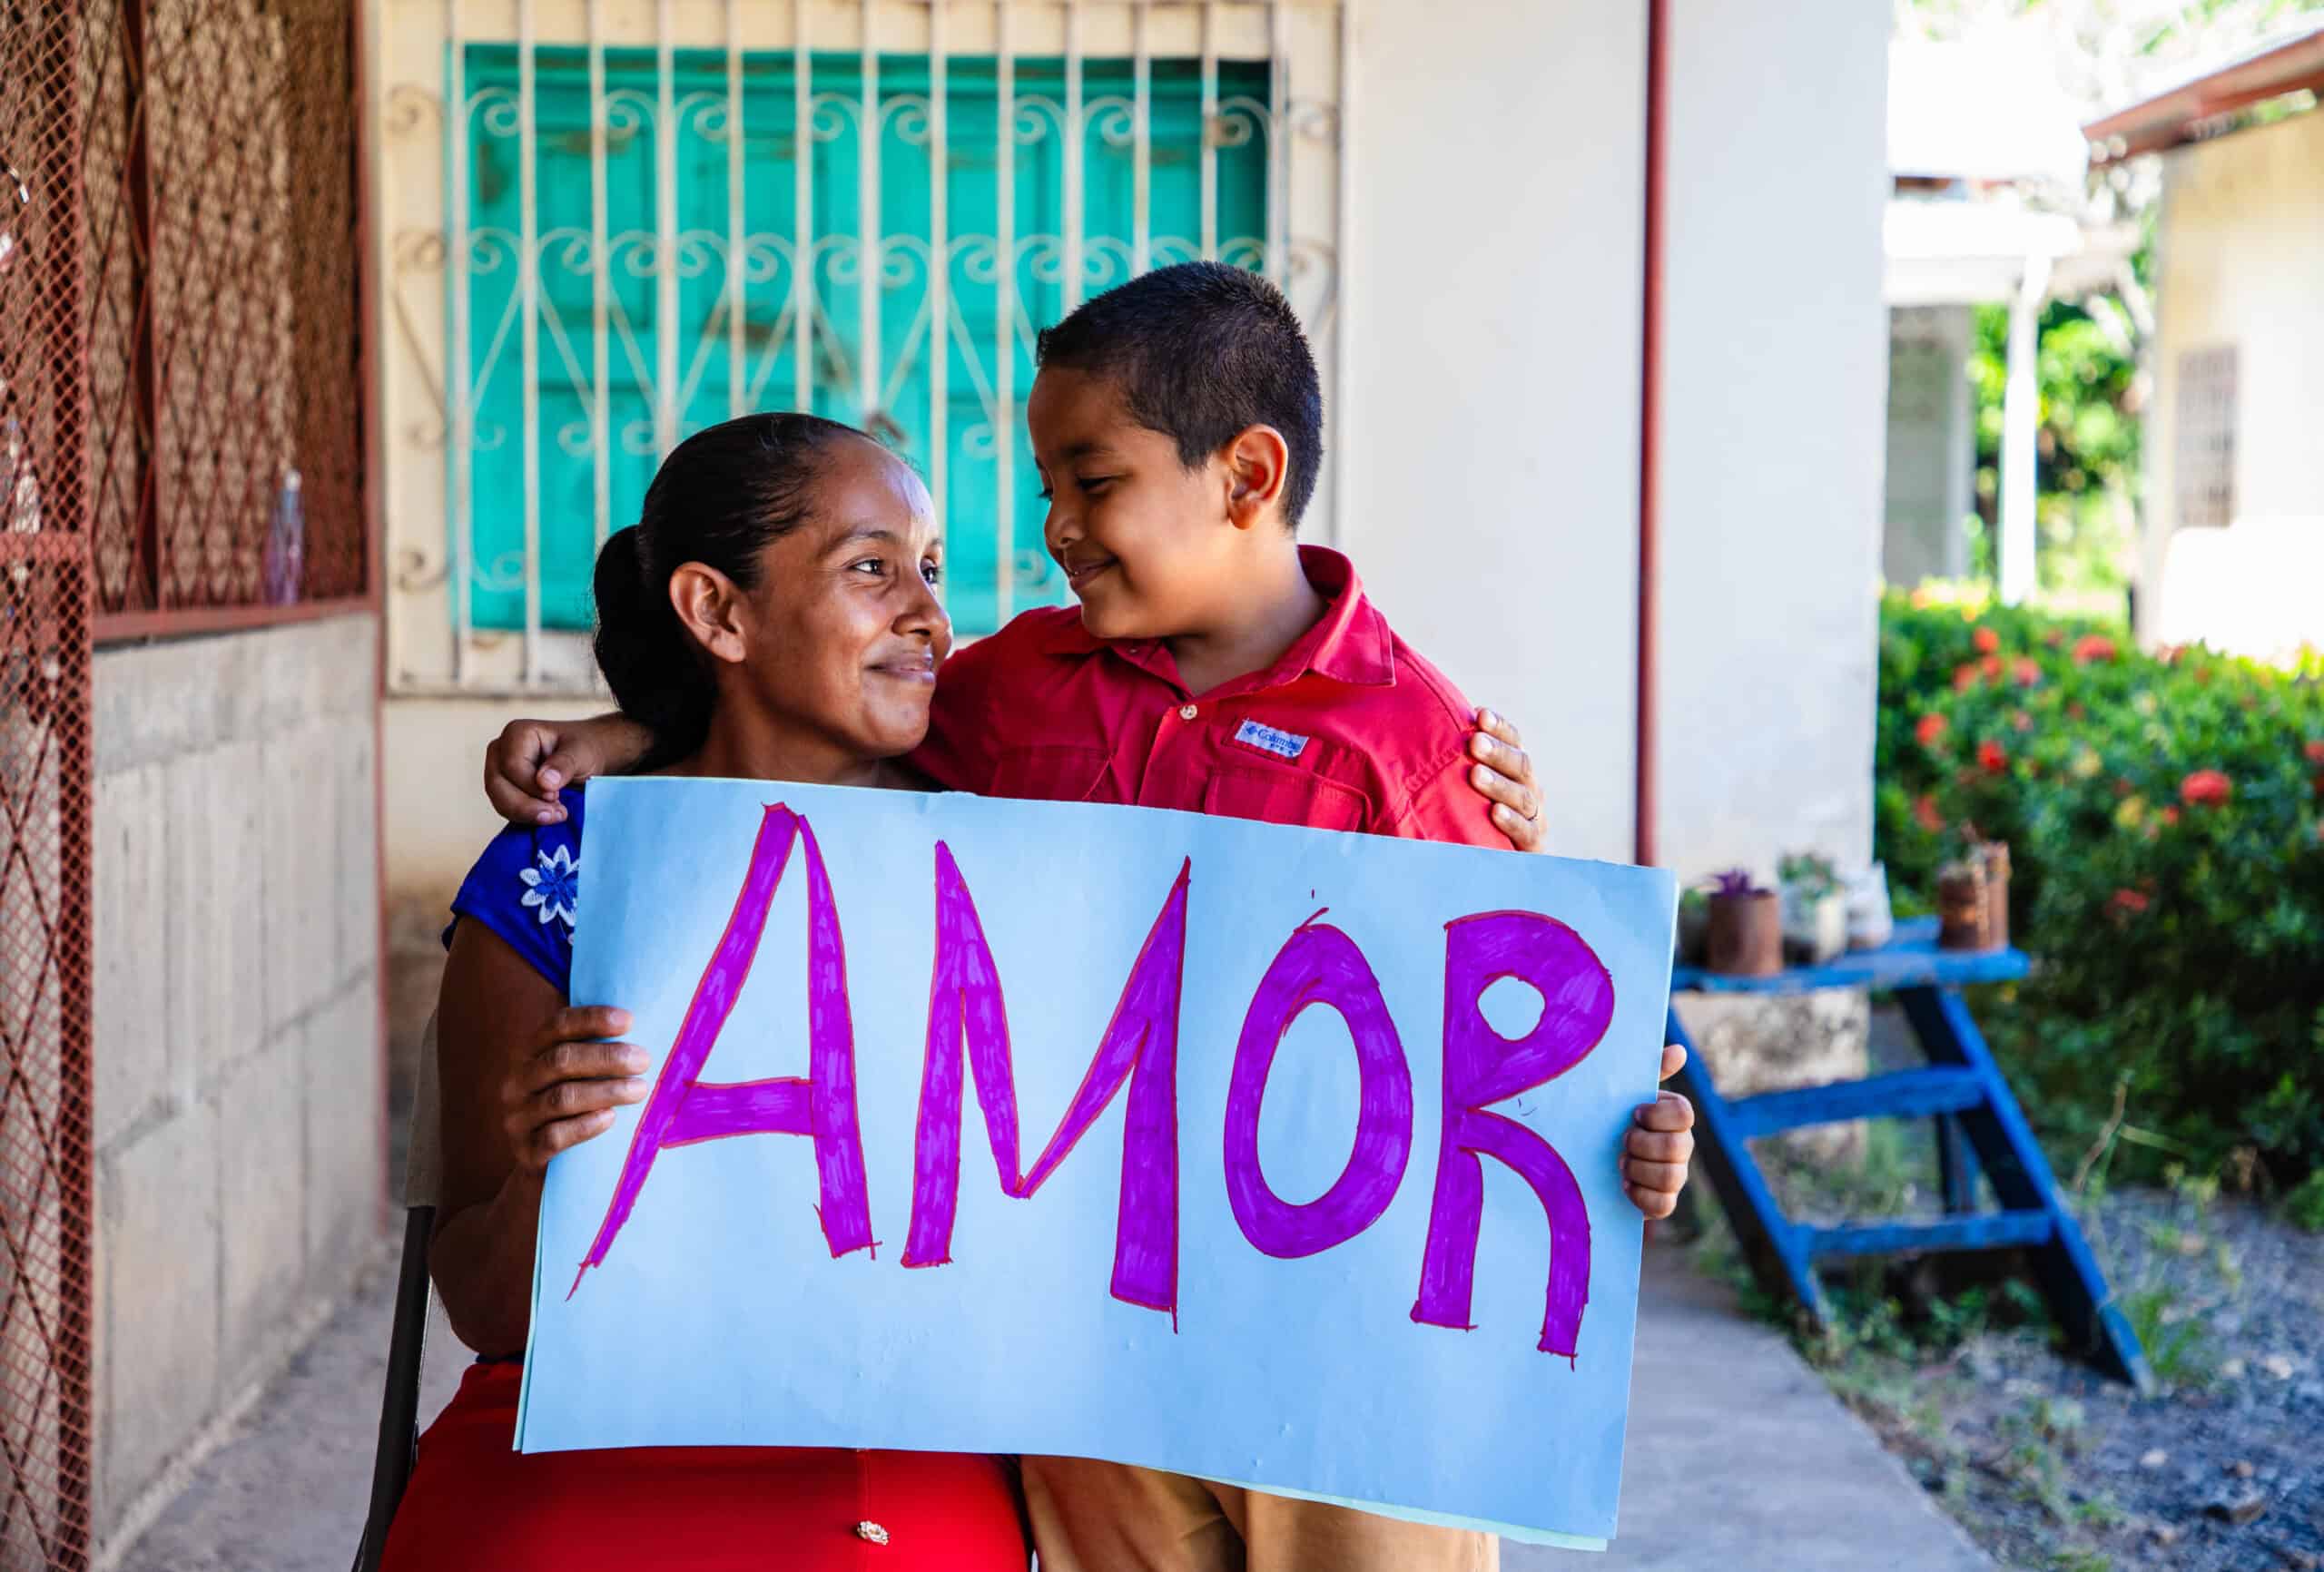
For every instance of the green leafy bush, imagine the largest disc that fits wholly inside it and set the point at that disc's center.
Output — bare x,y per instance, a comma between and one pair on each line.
2305,1205
2165,817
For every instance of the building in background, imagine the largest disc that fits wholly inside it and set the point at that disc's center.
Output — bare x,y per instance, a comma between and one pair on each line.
1988,208
2232,543
593,236
277,274
192,1116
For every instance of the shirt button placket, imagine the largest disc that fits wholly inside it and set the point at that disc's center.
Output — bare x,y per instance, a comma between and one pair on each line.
1154,789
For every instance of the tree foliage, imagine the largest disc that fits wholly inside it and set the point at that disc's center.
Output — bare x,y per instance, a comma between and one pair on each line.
2087,374
2093,383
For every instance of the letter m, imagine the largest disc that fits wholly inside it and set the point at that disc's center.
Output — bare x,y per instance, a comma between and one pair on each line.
1139,1049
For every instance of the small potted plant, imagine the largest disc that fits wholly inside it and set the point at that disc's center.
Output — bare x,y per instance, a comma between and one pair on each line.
1972,898
1815,908
1745,937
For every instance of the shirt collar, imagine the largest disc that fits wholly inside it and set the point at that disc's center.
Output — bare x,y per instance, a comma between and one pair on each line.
1349,644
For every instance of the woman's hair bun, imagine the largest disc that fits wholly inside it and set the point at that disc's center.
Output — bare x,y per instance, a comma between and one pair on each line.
648,658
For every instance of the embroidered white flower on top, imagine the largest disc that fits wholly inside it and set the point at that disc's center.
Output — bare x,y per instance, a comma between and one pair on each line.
554,886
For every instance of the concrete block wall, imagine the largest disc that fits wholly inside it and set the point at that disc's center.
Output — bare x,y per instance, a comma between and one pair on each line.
239,1174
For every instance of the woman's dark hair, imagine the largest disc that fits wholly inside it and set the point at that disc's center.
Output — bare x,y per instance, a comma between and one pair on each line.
718,500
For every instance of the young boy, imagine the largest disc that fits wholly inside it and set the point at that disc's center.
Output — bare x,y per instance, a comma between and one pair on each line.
1213,664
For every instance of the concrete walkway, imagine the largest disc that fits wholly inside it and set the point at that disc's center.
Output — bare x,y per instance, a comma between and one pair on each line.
1739,1460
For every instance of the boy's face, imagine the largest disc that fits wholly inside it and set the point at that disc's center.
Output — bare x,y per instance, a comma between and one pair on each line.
1145,543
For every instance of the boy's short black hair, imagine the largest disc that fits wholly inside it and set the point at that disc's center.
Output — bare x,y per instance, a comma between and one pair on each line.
1201,351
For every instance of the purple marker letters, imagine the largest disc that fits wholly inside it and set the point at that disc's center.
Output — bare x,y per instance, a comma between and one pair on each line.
683,1109
1481,1068
1319,965
967,1023
1140,1046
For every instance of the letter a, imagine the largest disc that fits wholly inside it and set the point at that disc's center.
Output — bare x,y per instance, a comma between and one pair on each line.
1481,1068
683,1109
1140,1046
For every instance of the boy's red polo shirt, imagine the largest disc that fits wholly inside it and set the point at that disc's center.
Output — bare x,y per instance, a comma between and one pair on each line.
1350,730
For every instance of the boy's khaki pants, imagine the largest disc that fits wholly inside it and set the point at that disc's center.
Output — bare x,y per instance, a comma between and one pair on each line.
1090,1517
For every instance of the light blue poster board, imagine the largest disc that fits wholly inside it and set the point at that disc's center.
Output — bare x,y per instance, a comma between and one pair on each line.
1206,1203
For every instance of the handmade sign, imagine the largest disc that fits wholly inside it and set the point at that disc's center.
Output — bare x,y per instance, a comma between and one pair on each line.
1270,1155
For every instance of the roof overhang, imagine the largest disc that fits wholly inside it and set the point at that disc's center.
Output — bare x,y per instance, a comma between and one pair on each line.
2184,113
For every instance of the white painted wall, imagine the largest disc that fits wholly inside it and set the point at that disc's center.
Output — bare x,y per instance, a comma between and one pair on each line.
437,818
1495,300
1772,420
1496,292
2237,257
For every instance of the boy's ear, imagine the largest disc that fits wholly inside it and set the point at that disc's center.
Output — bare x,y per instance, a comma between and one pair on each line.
1258,463
710,608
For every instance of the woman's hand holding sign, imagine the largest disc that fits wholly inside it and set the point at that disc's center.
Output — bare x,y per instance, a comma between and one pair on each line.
566,1087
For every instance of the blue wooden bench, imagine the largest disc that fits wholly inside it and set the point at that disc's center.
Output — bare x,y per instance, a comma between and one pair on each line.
1979,1126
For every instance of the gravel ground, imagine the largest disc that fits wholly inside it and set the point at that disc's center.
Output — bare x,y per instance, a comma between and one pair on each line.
2047,1463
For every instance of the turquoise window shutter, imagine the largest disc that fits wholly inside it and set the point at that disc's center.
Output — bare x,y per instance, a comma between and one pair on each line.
711,381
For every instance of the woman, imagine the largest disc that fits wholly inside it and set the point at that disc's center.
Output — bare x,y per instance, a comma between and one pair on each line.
772,614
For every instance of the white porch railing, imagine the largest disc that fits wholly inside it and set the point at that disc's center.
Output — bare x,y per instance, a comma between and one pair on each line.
959,172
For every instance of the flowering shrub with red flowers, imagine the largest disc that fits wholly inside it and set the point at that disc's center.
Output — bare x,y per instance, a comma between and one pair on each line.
2165,816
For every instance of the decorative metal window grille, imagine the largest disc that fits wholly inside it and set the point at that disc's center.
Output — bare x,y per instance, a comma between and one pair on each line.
644,218
2204,445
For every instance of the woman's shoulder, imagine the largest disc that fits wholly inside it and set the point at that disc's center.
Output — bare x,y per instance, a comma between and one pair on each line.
526,889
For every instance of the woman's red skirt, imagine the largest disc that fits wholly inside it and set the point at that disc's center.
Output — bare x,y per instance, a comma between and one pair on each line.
475,1503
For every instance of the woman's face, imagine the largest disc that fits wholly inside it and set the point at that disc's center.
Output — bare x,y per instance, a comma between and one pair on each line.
843,633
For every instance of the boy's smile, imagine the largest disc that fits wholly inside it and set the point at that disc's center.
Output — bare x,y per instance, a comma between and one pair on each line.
1145,540
1081,569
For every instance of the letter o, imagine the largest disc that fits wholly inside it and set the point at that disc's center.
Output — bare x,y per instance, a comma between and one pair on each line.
1319,965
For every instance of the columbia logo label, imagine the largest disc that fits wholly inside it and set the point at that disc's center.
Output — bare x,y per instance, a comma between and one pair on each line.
1267,740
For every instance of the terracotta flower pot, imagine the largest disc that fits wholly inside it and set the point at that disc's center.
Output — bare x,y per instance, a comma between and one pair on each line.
1745,937
1964,906
1996,856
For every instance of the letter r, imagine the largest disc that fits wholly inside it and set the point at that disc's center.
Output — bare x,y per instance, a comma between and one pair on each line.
1483,1068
